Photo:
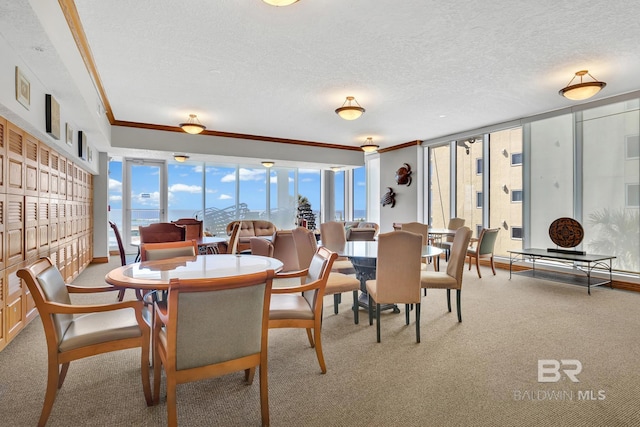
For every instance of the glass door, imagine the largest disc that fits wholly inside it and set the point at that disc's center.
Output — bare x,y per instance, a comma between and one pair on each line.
144,200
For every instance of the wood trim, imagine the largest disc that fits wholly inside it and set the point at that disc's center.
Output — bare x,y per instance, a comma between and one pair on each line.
236,135
400,146
100,260
70,12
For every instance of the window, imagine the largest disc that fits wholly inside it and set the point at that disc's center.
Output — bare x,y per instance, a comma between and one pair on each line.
339,213
633,195
359,192
516,233
479,228
632,147
516,159
516,196
479,169
479,199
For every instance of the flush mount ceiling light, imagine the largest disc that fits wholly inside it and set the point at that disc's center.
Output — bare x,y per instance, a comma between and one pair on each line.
280,2
268,164
369,146
335,168
193,125
180,158
349,111
582,90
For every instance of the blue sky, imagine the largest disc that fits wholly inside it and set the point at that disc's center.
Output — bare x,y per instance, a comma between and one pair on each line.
185,186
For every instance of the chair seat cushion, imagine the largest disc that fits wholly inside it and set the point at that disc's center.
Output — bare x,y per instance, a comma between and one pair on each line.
343,266
289,306
471,251
437,279
100,327
338,283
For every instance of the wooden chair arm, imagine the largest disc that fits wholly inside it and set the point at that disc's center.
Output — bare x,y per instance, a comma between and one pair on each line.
162,317
303,288
290,274
90,289
54,307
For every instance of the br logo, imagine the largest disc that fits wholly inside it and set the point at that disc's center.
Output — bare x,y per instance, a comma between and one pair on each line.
549,370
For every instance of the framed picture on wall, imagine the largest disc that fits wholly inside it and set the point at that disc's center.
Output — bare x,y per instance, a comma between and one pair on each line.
23,89
52,116
69,130
82,145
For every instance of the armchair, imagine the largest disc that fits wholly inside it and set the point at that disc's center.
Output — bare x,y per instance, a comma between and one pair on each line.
484,248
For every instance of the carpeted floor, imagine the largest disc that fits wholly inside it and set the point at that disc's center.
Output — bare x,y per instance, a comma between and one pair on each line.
481,372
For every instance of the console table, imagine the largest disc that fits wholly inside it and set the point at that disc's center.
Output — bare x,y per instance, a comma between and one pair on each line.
585,263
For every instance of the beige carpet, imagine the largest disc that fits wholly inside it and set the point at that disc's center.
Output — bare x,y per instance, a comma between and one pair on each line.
481,372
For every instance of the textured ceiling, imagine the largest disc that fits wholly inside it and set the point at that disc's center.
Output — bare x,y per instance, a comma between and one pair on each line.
422,69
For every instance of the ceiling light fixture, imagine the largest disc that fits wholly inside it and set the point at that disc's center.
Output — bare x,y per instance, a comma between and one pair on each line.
349,111
582,90
268,164
369,146
180,158
280,2
193,125
335,168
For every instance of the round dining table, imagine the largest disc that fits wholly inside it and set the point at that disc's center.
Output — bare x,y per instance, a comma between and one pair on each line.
156,275
363,255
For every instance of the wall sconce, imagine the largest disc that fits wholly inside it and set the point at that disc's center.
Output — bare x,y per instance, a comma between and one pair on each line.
193,125
268,164
505,225
180,158
505,152
280,2
505,188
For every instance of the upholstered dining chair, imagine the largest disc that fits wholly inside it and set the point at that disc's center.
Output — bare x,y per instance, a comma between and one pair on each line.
423,230
397,275
166,250
452,278
334,237
209,328
282,247
454,224
301,306
193,227
77,331
123,255
483,248
338,283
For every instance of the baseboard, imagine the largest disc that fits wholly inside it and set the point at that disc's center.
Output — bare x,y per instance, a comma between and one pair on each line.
100,260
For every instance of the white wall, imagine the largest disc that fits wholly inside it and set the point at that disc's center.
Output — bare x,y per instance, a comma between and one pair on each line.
406,208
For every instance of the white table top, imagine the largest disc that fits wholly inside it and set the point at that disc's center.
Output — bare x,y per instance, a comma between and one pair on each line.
157,274
369,249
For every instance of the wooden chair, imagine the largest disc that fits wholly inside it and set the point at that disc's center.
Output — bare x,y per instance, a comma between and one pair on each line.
334,237
397,275
452,278
166,250
123,255
209,328
301,306
162,232
232,244
338,283
193,227
77,331
484,248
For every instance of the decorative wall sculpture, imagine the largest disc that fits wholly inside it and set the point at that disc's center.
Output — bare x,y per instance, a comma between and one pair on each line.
388,198
403,175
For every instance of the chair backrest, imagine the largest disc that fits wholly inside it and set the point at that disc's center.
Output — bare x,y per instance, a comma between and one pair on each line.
455,265
398,267
162,232
47,286
333,236
123,257
361,234
232,244
306,245
487,241
238,307
260,246
284,249
319,270
454,224
193,227
417,228
166,250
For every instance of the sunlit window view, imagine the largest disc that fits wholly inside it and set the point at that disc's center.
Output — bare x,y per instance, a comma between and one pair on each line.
439,186
339,213
359,194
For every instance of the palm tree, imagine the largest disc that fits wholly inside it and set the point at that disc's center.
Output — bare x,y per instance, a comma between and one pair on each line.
619,234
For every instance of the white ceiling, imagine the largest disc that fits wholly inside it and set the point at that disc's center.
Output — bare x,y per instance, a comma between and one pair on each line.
422,69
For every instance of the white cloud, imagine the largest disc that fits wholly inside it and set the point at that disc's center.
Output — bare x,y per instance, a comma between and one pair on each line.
115,198
194,189
224,197
361,183
245,175
115,185
152,199
274,179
